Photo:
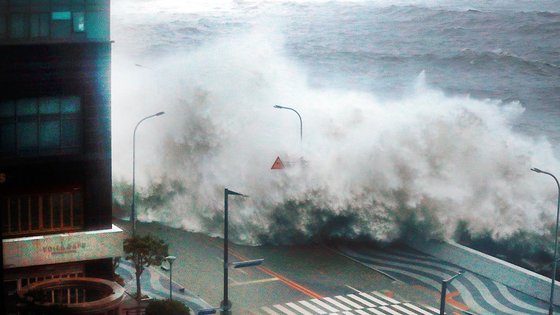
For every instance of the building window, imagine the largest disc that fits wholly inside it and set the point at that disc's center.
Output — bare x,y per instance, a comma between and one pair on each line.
40,25
30,214
40,126
79,22
54,20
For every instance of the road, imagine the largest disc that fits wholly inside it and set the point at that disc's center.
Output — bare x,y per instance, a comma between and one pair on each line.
342,278
289,273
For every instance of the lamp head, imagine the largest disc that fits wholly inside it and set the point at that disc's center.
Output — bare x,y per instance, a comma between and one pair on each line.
278,106
160,113
536,170
170,259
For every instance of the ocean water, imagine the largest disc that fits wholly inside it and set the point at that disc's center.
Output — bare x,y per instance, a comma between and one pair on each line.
408,107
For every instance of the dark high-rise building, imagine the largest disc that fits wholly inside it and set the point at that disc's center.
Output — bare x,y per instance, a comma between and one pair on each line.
55,151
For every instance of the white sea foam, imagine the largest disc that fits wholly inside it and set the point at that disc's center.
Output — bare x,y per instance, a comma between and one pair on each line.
372,163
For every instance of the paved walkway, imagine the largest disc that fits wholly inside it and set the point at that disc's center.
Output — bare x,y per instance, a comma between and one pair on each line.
480,294
155,284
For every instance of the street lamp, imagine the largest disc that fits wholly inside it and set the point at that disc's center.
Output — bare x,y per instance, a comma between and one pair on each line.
300,121
133,212
444,284
225,306
551,304
170,260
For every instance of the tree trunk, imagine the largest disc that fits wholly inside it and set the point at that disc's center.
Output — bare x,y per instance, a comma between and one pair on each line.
138,287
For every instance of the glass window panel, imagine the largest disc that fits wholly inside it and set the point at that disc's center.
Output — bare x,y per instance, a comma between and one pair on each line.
61,29
61,15
18,26
14,215
67,207
70,104
2,25
70,133
19,3
7,137
4,202
41,5
34,28
79,20
49,105
55,199
27,135
24,211
78,209
26,106
78,5
44,24
34,203
46,200
97,25
7,109
61,5
49,134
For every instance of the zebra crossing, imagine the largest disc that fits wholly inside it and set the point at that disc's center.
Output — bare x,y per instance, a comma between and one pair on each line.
361,303
477,293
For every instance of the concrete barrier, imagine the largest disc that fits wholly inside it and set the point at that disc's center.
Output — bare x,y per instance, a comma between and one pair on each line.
513,276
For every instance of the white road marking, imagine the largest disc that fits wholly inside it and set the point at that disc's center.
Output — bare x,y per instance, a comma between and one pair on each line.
416,308
269,311
359,299
343,307
312,307
299,309
354,289
389,310
376,311
255,282
347,301
324,305
388,299
373,299
402,309
285,310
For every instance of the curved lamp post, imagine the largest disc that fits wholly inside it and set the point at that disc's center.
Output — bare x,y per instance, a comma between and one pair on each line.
225,306
300,121
551,305
170,260
444,284
133,212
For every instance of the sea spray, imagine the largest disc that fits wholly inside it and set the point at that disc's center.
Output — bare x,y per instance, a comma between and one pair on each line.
387,169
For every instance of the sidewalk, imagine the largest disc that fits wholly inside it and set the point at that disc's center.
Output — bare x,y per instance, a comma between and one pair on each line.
155,284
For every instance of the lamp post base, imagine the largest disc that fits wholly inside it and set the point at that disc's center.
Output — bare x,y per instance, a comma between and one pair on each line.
225,308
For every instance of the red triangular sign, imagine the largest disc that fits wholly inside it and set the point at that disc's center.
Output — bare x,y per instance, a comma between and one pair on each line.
278,165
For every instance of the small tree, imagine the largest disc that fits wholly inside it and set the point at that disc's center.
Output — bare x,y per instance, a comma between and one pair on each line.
144,251
167,307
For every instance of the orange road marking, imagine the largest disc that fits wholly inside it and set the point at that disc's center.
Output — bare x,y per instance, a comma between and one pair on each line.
280,277
458,305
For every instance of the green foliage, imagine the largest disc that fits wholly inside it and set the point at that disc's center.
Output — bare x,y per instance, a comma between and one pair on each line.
168,307
144,251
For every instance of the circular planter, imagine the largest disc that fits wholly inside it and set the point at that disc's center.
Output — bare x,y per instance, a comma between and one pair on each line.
98,296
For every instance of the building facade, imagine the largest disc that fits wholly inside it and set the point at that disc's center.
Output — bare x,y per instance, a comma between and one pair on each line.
55,144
